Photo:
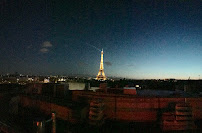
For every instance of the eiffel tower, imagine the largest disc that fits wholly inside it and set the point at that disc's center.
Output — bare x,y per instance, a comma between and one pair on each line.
101,74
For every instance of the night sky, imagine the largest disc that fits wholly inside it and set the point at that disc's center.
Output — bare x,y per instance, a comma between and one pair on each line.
142,39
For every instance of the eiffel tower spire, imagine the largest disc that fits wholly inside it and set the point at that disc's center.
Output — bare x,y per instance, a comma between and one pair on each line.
101,74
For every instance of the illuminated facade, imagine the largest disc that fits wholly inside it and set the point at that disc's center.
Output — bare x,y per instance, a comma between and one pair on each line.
101,74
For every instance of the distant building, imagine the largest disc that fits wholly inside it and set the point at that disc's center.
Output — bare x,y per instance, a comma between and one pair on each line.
46,80
76,86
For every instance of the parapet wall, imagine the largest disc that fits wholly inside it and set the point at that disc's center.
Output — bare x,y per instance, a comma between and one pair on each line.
134,108
118,107
45,107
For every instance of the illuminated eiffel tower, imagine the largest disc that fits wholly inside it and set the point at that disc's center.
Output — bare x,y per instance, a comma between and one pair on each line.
101,74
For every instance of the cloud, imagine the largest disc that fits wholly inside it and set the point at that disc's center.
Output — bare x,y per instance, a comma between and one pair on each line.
44,50
46,44
45,47
108,63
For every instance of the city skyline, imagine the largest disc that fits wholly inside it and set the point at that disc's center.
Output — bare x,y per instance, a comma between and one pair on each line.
141,40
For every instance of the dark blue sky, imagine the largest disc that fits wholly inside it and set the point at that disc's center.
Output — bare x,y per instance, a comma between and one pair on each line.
141,38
